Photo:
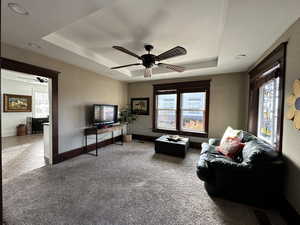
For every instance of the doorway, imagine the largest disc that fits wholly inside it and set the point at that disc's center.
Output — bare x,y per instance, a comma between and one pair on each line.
25,123
52,75
52,78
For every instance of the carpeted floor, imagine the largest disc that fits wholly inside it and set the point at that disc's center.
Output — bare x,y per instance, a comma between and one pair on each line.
124,185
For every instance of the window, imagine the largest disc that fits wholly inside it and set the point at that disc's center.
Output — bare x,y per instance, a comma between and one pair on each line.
193,112
266,97
268,111
166,111
41,104
181,108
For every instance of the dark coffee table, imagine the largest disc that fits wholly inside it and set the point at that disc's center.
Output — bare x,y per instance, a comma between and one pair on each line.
174,148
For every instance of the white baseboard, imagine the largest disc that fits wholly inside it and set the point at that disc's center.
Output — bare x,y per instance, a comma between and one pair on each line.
9,133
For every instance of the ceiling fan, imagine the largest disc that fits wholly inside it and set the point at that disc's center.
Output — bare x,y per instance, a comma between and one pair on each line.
149,60
35,79
42,80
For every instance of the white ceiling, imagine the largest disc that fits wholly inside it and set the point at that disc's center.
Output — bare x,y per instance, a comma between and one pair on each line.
213,32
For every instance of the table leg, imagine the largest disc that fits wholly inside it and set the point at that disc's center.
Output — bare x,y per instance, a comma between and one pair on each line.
96,144
122,136
86,143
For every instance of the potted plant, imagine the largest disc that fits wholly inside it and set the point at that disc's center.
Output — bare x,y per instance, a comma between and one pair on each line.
127,117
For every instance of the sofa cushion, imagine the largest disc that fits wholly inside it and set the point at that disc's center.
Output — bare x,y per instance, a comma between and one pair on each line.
257,152
214,141
227,163
246,136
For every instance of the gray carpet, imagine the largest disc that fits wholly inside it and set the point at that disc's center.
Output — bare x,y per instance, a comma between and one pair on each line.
124,185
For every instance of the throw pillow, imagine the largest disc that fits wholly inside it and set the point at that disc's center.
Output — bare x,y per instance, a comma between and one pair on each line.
231,147
229,132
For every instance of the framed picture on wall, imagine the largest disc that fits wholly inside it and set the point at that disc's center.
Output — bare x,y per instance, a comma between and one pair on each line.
140,106
17,103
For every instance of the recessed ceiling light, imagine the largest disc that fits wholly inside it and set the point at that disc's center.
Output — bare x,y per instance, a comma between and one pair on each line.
16,8
33,45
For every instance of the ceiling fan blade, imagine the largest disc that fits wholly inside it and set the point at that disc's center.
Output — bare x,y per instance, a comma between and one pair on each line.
177,51
133,64
172,67
126,51
148,72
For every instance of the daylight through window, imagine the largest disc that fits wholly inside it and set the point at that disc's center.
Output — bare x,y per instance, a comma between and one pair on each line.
182,109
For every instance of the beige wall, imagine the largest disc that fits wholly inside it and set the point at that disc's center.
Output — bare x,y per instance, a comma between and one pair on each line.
227,103
291,136
78,88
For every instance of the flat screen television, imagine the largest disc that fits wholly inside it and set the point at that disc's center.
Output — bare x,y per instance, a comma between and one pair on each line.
105,114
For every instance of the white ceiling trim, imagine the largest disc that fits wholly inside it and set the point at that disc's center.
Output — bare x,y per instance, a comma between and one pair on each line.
60,41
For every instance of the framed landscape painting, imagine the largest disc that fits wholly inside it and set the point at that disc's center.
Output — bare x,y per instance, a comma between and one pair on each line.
140,106
17,103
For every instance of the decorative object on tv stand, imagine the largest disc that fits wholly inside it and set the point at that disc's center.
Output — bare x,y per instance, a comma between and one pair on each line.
293,102
127,117
17,103
140,106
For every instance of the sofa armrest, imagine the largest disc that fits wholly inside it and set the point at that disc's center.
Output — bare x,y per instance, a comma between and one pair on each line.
214,141
207,152
204,171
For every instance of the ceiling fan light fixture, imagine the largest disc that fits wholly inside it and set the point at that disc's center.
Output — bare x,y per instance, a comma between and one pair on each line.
148,73
16,8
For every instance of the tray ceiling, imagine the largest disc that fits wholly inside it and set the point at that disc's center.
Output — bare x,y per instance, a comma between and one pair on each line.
213,32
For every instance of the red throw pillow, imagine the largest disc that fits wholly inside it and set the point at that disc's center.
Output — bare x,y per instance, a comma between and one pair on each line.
231,147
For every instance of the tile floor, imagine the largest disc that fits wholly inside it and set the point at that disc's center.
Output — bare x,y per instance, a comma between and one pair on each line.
21,154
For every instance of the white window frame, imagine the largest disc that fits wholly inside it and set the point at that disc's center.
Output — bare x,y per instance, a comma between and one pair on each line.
173,110
35,111
189,110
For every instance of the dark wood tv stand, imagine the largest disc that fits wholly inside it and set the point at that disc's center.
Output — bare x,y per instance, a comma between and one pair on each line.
95,131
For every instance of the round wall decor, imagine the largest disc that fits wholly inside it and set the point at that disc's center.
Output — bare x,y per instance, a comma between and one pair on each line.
293,102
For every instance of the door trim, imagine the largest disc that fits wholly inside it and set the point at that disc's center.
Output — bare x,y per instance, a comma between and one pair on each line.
17,66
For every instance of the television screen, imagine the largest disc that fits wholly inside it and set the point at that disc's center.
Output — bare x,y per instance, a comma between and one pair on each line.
104,113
